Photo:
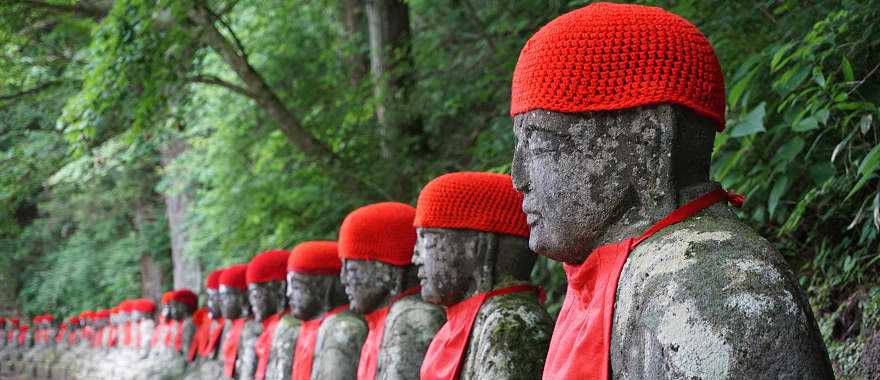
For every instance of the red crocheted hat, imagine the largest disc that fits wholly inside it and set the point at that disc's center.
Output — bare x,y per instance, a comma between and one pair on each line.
186,297
14,321
213,281
234,277
74,320
268,266
102,314
612,56
381,231
473,201
315,257
143,305
167,297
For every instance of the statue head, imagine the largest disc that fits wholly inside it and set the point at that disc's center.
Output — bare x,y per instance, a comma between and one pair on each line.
183,303
376,244
266,282
140,309
604,147
212,285
593,178
232,292
472,236
313,285
101,319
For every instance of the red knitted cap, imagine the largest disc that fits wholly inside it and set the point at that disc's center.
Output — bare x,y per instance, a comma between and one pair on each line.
102,314
143,305
234,276
14,321
213,281
268,266
381,231
37,319
24,328
74,320
315,257
473,201
167,297
613,56
186,297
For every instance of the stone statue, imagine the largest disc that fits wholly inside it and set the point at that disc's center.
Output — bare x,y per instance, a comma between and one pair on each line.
208,363
167,359
266,295
236,311
601,163
477,263
381,284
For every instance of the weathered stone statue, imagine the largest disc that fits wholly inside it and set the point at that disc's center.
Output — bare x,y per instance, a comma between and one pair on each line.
166,359
381,284
206,352
612,156
266,295
236,311
473,257
315,293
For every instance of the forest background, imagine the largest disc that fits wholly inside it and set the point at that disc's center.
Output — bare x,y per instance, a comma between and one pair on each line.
146,142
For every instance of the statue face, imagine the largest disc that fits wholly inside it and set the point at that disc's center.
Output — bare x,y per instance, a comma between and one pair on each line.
368,283
571,170
266,298
165,311
307,294
445,259
137,316
232,302
213,304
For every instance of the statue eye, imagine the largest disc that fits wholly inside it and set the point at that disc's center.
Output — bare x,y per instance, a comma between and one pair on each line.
541,141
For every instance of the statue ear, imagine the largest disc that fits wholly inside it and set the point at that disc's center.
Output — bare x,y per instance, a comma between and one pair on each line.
487,259
653,129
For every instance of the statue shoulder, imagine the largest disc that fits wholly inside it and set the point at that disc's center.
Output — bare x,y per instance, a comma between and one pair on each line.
288,324
510,338
411,313
342,329
709,297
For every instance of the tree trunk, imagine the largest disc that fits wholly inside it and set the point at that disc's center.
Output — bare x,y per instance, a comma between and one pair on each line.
186,270
152,277
352,16
391,69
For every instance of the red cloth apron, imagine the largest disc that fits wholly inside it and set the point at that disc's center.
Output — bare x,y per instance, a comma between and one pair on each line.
446,352
170,328
126,334
158,333
198,341
71,339
230,346
137,334
215,330
178,336
9,335
264,344
581,344
61,333
111,339
370,350
98,337
21,337
305,345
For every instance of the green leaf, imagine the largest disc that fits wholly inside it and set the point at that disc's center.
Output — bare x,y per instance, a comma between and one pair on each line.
779,188
738,89
752,123
848,264
822,115
818,77
866,169
847,70
777,57
806,124
865,123
788,151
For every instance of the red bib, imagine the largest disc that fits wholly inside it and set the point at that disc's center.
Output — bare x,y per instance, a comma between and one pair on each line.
581,344
230,346
126,334
61,333
158,333
71,339
370,350
111,339
305,345
445,354
137,334
264,344
214,333
198,340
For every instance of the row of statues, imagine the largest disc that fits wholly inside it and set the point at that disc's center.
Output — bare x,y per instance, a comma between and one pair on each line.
615,111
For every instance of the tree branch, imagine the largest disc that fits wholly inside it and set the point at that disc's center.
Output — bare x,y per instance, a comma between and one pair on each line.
290,126
211,79
79,9
31,91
